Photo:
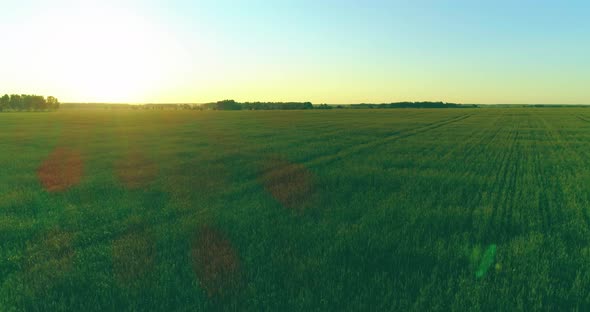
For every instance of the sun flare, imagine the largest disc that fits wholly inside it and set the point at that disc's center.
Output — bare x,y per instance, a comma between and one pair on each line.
100,53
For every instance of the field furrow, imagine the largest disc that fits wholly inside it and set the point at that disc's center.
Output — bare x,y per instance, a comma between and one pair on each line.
396,136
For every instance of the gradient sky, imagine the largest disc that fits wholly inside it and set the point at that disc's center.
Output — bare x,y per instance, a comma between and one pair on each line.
324,51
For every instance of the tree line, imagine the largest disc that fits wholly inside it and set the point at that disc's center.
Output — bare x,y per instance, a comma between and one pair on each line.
233,105
413,105
28,102
220,105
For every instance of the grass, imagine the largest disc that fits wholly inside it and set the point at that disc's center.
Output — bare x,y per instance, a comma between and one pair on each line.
467,209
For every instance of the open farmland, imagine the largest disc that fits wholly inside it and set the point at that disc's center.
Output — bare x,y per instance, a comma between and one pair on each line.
402,209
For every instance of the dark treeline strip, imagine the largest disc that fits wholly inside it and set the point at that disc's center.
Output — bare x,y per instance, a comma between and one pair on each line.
220,105
413,105
16,102
233,105
27,102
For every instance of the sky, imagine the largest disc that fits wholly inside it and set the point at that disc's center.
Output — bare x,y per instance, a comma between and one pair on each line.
323,51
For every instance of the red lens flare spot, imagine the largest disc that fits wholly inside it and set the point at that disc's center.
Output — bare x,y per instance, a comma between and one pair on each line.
61,170
291,184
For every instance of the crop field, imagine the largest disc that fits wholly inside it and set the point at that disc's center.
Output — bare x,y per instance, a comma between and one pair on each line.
400,209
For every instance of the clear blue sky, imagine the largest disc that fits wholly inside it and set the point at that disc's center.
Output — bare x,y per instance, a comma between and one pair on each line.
322,51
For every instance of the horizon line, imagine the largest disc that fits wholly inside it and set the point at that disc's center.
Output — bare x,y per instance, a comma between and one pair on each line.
368,103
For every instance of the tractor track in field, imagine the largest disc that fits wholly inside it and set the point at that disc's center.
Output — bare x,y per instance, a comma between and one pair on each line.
331,133
469,223
475,138
511,188
468,141
544,203
327,132
401,134
500,224
510,203
501,189
538,214
544,208
468,146
456,147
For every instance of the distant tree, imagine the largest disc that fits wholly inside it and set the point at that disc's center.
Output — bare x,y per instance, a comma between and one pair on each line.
411,105
28,102
323,106
4,102
52,103
227,105
276,105
16,102
38,102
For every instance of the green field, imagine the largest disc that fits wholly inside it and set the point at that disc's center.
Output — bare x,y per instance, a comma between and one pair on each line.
401,209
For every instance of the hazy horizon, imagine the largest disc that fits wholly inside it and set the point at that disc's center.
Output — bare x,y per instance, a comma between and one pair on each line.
337,52
372,103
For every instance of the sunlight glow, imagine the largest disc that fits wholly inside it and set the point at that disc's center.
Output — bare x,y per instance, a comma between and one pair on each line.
98,53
